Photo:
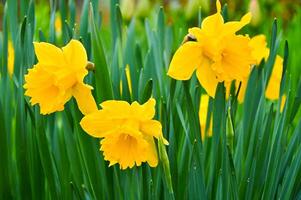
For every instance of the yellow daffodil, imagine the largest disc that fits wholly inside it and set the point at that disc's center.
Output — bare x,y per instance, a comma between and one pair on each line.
273,89
58,24
282,103
128,79
203,110
260,51
255,10
128,132
11,59
215,52
58,76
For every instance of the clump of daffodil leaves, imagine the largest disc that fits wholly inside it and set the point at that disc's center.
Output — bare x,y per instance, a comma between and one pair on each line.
127,131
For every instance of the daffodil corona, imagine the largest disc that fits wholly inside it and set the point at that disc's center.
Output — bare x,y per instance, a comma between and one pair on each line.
215,52
58,76
127,132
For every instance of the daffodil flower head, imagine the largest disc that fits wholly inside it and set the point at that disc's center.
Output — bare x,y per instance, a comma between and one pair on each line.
260,52
127,132
58,76
217,54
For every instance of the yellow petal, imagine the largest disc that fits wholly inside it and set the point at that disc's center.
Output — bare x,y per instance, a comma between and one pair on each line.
48,54
151,152
234,26
152,128
273,88
116,109
145,111
207,77
213,24
85,101
98,124
259,48
75,55
185,61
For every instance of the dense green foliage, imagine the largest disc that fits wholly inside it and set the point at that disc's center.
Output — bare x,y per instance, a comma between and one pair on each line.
255,151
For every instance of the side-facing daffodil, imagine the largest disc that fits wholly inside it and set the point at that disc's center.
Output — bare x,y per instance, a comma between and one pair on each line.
203,111
127,132
215,52
58,76
261,51
10,59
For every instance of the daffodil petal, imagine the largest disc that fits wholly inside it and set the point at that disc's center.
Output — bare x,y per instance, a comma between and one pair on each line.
151,152
213,24
152,128
116,109
75,55
85,101
234,26
98,125
48,54
145,111
207,77
259,48
185,61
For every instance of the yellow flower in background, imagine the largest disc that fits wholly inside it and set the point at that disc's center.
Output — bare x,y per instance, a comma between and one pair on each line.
273,89
128,132
282,103
10,59
255,10
215,52
203,110
58,76
259,48
261,51
58,23
128,77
